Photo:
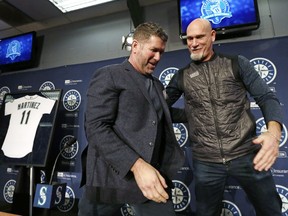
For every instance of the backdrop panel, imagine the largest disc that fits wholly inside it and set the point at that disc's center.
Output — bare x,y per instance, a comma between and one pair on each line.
269,57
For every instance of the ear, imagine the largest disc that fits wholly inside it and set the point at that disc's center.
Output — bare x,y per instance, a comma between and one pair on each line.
134,44
213,35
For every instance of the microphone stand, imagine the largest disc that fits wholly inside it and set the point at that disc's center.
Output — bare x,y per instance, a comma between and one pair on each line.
31,190
68,144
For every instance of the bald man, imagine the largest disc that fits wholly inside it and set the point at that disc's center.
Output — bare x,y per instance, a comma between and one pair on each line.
221,126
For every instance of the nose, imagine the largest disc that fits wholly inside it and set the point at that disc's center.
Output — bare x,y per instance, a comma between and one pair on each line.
157,56
194,43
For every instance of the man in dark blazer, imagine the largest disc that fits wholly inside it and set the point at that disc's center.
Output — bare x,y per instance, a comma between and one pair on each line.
132,150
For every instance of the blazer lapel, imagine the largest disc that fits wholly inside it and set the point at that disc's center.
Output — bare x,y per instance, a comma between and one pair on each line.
141,85
137,79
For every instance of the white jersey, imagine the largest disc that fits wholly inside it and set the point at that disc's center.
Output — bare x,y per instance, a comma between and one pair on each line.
26,113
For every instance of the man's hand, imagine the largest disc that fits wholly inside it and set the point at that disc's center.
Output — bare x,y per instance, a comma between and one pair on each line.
150,182
269,151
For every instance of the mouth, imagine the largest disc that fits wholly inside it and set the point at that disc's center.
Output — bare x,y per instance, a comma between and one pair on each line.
153,65
195,49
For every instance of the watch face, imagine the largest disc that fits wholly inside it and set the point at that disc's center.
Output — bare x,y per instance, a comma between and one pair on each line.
230,209
283,192
265,68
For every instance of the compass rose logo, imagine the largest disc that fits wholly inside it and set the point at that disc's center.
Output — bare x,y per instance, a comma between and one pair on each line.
265,68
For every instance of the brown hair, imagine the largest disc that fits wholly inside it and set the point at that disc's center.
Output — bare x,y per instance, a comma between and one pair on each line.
145,30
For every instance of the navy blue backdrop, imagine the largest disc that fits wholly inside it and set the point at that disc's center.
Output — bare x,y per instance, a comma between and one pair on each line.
269,57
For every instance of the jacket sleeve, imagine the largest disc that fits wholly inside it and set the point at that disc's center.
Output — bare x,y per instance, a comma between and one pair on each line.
260,91
174,90
172,93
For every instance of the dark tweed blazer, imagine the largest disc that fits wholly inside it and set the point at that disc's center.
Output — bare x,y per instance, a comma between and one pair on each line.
121,126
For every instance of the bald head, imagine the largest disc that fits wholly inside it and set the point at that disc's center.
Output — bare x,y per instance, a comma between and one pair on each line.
200,23
200,38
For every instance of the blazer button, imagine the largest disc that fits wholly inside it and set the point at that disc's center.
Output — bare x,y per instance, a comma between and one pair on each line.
150,144
153,122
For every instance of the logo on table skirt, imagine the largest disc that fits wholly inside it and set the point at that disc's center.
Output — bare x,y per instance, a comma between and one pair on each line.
69,200
229,208
283,193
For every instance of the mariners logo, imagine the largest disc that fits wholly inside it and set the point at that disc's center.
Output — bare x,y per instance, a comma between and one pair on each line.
265,68
261,127
283,193
69,200
181,133
167,74
71,151
3,91
9,190
215,11
72,100
14,50
126,210
230,208
47,86
180,196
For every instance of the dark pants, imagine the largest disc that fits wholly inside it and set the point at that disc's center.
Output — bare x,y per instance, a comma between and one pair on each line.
210,180
90,208
149,208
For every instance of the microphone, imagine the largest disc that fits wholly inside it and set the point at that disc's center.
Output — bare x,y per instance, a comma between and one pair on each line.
66,145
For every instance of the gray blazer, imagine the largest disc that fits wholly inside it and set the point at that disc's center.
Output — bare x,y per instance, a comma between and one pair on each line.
121,126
